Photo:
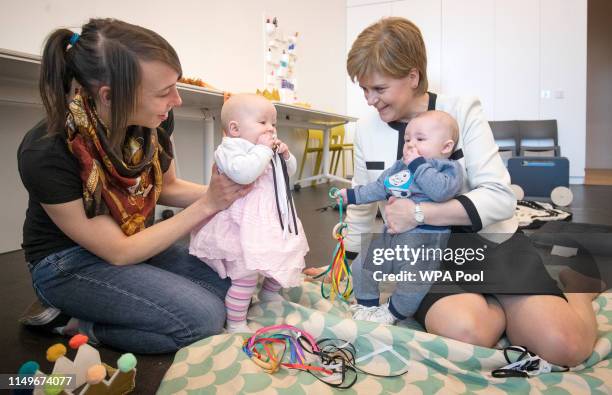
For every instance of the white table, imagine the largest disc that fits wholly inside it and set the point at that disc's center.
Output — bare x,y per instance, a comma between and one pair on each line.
299,117
209,102
23,68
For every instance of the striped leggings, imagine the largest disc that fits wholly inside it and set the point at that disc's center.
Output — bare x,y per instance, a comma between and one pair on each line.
239,295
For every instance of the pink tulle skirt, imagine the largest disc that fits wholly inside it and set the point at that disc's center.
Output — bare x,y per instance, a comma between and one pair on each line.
247,237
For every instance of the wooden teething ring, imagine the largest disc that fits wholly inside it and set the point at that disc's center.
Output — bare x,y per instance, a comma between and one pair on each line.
339,230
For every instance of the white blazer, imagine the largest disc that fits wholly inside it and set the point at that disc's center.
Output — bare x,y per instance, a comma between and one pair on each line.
485,195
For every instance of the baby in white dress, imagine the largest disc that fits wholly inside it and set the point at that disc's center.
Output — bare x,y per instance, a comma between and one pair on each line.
260,232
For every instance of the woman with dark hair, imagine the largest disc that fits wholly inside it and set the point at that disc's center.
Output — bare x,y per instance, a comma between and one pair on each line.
94,169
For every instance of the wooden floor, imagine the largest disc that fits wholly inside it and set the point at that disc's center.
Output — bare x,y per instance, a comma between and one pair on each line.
22,344
598,177
591,204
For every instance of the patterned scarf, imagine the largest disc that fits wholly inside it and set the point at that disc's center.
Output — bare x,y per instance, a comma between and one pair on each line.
127,186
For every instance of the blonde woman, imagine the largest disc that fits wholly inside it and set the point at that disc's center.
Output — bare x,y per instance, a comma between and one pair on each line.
388,60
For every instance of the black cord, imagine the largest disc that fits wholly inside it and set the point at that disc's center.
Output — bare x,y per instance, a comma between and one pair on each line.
280,217
343,354
290,204
522,370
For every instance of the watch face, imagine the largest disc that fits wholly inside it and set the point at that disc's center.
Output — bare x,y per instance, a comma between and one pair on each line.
418,214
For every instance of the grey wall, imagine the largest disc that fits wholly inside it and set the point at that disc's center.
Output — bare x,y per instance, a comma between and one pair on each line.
599,85
17,119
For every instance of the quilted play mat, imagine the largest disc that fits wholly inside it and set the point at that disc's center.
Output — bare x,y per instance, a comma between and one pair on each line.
434,364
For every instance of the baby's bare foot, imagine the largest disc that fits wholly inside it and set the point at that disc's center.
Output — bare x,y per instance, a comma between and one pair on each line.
312,272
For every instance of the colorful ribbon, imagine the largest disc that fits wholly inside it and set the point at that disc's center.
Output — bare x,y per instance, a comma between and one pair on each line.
261,349
338,268
335,358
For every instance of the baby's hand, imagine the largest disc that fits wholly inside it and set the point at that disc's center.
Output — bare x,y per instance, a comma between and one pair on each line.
266,139
342,193
283,150
411,155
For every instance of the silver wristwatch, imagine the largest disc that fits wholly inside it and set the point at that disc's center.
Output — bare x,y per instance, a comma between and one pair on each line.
419,216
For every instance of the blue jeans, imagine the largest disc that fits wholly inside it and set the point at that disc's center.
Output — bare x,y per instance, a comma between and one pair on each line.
407,296
157,306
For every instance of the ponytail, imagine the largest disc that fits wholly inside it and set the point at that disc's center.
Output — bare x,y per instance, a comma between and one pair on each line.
55,79
107,53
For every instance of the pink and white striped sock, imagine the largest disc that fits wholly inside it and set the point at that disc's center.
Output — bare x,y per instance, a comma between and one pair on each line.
271,285
238,298
269,291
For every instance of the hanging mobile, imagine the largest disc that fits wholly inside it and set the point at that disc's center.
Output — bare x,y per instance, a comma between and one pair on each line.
338,268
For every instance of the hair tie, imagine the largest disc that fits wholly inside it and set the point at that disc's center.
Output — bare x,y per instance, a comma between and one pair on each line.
75,37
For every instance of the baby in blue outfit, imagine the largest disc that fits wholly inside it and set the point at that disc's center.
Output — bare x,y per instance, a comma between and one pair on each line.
424,174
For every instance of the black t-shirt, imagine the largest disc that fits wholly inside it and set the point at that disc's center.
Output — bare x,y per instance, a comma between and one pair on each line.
50,173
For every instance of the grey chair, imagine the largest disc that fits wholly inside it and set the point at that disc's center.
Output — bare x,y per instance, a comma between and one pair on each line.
503,132
539,130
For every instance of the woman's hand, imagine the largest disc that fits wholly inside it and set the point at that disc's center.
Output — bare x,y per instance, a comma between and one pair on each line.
399,214
222,191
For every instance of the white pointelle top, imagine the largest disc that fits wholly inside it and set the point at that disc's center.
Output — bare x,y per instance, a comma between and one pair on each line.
243,161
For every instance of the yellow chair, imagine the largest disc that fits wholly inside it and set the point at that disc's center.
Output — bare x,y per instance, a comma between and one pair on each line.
314,144
338,154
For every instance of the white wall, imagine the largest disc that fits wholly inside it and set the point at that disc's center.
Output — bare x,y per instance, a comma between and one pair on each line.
468,50
563,56
506,52
218,41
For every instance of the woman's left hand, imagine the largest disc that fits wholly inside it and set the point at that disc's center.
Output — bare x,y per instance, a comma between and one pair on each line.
399,214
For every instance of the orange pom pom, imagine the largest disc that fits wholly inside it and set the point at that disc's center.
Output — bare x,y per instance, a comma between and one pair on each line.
96,374
56,351
77,341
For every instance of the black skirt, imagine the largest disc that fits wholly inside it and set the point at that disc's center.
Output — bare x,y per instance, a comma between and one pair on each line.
510,267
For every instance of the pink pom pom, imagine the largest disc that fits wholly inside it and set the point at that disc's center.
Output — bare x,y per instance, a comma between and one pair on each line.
96,374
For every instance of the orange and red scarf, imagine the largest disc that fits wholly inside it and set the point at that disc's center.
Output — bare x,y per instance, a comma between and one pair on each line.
125,185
